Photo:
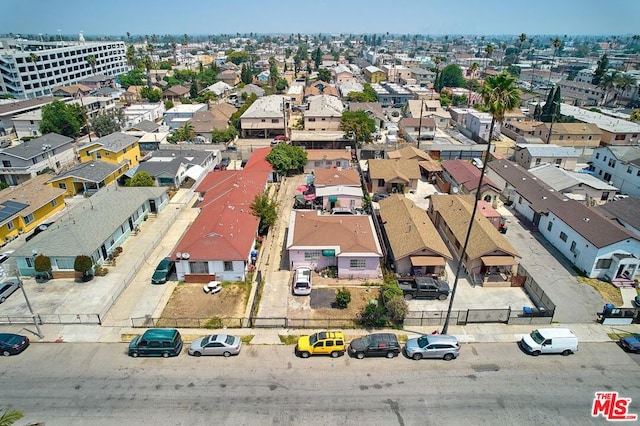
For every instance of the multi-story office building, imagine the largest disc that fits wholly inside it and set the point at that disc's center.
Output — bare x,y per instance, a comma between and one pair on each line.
29,69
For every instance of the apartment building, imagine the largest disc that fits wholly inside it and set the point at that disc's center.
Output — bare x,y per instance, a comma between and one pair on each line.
29,68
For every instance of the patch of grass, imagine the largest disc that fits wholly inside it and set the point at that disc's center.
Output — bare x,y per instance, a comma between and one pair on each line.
214,322
608,291
125,337
618,336
247,339
402,338
288,339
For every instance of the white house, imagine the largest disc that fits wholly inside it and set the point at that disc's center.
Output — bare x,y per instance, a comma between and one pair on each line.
619,166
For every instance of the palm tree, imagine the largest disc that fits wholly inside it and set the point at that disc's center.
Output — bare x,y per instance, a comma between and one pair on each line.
489,51
91,60
174,47
472,72
499,95
35,58
522,38
9,417
624,83
609,82
187,132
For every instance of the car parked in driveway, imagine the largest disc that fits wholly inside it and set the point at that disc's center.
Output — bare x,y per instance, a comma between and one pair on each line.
377,344
13,344
163,271
8,287
439,346
302,281
216,344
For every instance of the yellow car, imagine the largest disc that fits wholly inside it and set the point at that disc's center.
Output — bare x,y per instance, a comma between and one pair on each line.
322,343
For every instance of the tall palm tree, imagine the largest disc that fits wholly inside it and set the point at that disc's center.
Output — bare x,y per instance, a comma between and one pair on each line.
499,95
488,50
35,58
91,60
522,38
9,417
624,83
148,62
473,68
174,47
609,82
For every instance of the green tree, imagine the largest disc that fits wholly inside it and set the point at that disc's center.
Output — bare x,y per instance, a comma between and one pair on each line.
317,58
9,417
282,84
287,159
141,179
91,60
106,123
601,70
451,76
235,117
635,115
238,57
397,309
245,75
223,136
134,77
500,94
367,95
168,105
324,74
151,94
357,124
83,264
343,297
266,210
62,118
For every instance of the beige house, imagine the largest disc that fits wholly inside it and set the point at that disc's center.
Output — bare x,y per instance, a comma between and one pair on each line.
429,108
265,117
490,259
327,159
570,134
324,113
413,242
393,176
529,155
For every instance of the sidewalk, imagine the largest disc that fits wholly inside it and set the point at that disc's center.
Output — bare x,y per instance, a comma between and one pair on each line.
473,333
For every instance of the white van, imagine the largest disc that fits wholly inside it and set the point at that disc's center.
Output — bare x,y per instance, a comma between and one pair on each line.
550,341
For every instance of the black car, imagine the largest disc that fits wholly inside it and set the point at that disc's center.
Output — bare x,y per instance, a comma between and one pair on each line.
377,344
39,229
13,344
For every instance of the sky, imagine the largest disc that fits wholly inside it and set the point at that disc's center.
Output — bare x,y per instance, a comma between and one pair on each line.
434,17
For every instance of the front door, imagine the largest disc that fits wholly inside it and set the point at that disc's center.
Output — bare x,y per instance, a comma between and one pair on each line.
152,206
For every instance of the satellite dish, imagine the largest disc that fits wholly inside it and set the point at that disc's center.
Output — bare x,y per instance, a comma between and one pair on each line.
178,255
186,256
454,190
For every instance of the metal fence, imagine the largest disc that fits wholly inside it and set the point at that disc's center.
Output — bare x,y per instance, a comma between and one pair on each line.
90,319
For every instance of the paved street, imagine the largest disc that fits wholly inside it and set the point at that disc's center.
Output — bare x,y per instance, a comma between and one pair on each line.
492,384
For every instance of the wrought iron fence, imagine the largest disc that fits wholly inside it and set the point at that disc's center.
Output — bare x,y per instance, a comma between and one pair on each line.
88,319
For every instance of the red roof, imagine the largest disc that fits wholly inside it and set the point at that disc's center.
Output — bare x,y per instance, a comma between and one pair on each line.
257,160
466,174
225,229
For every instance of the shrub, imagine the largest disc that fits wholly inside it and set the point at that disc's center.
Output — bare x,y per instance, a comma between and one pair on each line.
343,297
83,264
391,290
397,309
373,316
42,263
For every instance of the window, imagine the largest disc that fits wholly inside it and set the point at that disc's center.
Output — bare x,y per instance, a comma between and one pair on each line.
311,119
64,264
612,162
28,219
629,170
357,264
538,160
275,120
605,196
228,266
604,159
380,182
563,236
607,177
549,226
10,226
620,137
312,255
573,247
199,267
329,343
62,185
558,161
603,263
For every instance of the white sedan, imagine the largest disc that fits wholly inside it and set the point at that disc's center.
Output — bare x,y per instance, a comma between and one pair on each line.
216,344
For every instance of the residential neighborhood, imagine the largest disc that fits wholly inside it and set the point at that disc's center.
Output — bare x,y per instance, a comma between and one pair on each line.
310,186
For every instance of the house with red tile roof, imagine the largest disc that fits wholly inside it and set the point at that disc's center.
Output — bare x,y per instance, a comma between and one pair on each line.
219,243
464,178
347,242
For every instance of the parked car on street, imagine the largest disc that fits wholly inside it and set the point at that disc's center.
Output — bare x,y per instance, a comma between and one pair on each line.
377,344
164,342
550,341
440,346
13,344
322,343
631,343
216,344
163,271
8,287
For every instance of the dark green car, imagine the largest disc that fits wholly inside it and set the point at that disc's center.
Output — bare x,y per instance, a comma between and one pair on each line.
162,272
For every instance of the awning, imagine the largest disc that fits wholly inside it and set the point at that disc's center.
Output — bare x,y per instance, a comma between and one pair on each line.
427,261
302,188
333,198
194,172
498,260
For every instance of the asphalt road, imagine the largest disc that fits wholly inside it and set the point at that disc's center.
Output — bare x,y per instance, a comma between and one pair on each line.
492,384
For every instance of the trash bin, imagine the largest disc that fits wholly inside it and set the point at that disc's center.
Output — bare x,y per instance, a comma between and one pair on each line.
527,310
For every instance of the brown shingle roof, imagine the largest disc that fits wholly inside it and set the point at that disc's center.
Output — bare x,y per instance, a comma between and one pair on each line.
351,233
328,154
408,228
330,177
388,170
35,193
485,239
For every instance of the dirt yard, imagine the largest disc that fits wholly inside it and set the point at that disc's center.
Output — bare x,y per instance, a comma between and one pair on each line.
320,304
194,307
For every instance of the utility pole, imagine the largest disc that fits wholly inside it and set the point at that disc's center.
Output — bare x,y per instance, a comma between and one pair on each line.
420,122
26,299
553,119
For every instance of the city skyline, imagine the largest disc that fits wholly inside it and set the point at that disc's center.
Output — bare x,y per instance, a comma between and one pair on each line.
493,17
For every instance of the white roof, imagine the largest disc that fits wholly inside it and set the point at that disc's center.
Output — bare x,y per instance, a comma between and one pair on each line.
324,106
604,122
267,106
352,191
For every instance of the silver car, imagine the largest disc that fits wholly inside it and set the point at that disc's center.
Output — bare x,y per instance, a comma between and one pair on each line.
216,344
439,346
8,287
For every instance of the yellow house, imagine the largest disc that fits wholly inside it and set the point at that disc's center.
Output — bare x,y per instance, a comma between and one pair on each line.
116,148
25,206
88,178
